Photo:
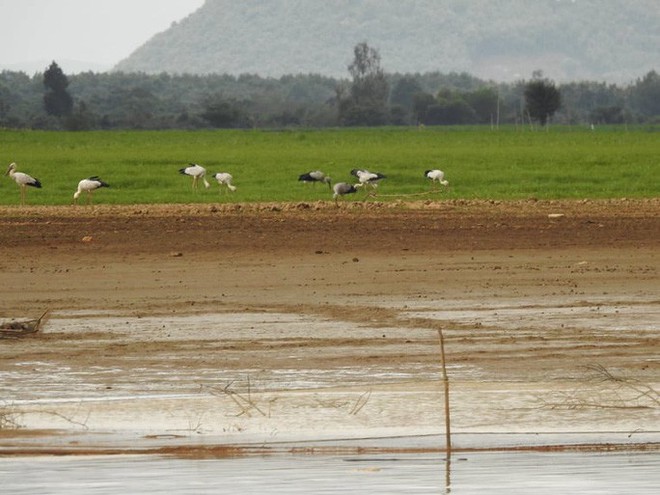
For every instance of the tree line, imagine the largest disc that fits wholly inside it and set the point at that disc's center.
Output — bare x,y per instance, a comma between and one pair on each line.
368,97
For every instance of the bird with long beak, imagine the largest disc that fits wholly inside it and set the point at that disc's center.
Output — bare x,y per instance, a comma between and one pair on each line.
23,180
196,172
314,177
88,186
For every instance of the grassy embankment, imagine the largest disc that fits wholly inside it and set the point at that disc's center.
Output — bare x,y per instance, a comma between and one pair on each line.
142,166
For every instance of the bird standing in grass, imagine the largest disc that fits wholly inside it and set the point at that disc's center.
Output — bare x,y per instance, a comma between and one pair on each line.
225,179
88,186
436,176
367,178
342,189
196,172
314,177
23,180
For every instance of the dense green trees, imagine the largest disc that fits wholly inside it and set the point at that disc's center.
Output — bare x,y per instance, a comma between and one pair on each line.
646,99
139,101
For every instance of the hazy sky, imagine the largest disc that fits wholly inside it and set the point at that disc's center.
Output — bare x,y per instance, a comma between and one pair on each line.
98,33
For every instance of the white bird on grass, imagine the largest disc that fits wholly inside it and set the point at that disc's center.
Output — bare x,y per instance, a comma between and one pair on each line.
314,177
88,186
342,189
196,172
436,176
366,178
225,179
23,180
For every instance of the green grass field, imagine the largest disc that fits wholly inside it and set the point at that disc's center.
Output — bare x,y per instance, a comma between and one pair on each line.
142,166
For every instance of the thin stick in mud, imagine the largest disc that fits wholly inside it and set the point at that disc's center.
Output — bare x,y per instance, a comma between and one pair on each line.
445,380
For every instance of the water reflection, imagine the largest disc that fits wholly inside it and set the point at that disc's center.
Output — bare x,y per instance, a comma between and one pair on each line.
475,473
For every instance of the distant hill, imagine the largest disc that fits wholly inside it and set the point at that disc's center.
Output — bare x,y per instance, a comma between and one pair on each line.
505,40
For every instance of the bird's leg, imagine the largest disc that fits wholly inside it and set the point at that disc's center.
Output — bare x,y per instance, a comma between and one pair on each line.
194,184
23,195
89,197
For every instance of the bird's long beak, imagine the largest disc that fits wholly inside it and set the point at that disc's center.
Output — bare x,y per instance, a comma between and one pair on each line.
7,172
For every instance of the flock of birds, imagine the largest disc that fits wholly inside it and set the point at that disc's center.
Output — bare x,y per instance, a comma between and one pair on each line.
24,181
364,179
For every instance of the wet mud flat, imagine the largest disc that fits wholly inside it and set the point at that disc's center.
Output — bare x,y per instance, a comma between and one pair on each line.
276,381
211,330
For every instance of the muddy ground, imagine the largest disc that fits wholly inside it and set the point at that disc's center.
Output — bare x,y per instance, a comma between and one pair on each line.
560,298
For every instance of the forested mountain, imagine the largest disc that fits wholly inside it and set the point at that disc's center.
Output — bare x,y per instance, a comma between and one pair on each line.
503,40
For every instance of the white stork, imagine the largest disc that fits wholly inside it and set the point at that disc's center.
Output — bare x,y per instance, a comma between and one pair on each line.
225,179
88,186
341,189
314,177
23,180
196,172
436,176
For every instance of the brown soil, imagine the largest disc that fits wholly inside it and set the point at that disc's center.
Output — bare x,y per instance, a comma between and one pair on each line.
154,257
359,262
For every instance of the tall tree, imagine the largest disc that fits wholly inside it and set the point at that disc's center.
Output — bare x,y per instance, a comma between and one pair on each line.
367,100
57,100
542,99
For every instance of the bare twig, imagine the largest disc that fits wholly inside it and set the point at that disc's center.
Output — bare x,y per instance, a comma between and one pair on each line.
245,404
360,402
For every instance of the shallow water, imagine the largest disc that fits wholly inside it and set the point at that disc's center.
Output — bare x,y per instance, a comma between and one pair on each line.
154,375
475,473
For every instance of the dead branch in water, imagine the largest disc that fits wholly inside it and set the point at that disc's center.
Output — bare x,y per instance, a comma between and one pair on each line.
245,404
613,392
16,329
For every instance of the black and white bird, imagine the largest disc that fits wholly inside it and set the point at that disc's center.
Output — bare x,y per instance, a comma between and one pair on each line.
314,177
436,176
342,189
196,172
368,178
88,186
225,179
23,180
